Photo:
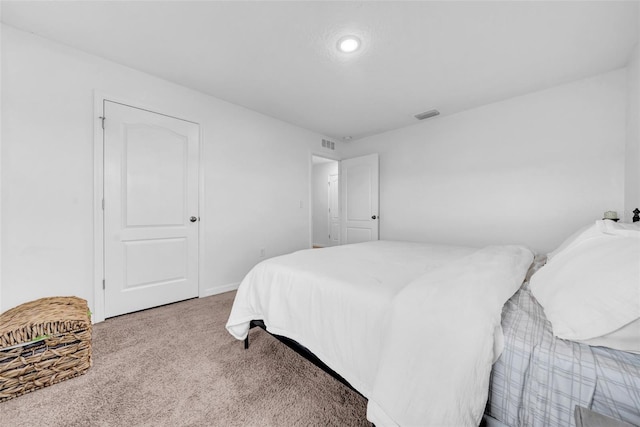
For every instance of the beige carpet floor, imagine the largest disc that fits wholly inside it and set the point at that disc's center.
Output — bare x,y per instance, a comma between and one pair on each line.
177,366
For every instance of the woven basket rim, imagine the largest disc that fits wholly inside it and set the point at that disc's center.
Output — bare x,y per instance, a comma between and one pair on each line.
42,317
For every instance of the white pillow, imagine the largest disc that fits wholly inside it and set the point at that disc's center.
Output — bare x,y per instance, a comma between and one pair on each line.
587,230
592,231
591,287
618,228
626,338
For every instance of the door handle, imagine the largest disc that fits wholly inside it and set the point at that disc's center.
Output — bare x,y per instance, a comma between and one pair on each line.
193,219
374,217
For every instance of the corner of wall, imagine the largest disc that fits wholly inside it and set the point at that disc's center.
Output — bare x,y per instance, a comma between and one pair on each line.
632,146
1,30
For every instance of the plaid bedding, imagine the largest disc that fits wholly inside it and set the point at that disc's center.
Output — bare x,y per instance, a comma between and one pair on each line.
539,379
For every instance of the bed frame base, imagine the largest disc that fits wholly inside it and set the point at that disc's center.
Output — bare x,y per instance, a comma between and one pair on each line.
301,350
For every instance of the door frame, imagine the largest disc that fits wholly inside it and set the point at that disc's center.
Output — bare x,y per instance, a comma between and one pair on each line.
310,179
99,98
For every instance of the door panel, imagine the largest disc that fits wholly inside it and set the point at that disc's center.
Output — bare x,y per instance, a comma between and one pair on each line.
151,191
359,235
154,175
360,198
154,262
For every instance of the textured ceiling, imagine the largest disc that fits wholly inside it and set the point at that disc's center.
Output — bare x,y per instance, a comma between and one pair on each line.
280,58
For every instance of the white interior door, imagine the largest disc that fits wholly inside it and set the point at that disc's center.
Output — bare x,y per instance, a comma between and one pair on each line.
334,210
150,209
359,199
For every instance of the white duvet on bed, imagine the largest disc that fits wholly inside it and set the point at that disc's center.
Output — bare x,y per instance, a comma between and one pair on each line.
411,326
335,301
438,350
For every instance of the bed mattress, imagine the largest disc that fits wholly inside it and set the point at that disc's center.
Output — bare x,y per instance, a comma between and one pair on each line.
539,379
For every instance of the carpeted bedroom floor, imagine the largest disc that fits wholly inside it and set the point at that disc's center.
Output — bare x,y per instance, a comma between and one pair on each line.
177,366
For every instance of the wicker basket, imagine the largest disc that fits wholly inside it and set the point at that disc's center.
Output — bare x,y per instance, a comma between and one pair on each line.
43,342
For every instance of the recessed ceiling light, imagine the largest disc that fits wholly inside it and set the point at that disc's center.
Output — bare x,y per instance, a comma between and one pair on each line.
348,44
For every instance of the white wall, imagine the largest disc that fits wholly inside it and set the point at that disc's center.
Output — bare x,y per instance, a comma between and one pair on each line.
632,157
320,201
527,170
256,171
1,202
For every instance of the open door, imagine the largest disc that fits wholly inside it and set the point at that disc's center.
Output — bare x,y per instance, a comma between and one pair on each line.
359,195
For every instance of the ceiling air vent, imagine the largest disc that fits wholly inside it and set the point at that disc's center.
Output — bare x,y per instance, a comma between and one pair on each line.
427,114
328,144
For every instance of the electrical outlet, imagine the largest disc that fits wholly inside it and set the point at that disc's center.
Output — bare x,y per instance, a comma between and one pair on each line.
262,253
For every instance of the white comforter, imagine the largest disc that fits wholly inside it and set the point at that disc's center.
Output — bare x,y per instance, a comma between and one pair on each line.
439,346
391,318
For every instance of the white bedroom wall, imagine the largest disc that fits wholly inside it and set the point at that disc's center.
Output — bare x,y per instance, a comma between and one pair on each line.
528,170
1,237
256,171
320,197
1,203
632,157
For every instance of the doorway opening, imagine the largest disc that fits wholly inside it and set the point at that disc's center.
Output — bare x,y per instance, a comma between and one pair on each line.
325,202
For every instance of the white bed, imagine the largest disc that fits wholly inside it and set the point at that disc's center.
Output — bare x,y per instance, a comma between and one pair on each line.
411,326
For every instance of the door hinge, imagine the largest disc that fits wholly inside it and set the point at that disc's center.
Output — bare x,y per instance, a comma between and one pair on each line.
103,119
102,204
103,284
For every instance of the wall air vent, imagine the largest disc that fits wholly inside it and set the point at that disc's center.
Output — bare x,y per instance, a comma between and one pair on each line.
427,114
328,144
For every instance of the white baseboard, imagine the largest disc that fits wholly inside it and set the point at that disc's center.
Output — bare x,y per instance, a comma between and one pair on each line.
219,289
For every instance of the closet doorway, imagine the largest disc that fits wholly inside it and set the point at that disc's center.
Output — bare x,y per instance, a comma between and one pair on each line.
325,202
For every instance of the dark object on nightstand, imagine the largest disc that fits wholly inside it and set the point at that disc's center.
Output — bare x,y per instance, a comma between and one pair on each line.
636,215
588,418
613,219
